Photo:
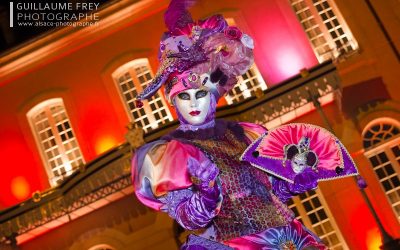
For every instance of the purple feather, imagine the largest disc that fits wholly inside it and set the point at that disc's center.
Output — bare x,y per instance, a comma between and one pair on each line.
177,15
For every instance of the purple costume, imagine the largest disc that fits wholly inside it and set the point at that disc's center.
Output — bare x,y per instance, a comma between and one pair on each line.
244,208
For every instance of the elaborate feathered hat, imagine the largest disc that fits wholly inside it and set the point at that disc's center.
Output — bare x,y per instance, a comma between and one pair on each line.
190,48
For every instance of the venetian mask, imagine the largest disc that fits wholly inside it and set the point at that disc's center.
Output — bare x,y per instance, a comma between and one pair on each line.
193,105
299,163
300,155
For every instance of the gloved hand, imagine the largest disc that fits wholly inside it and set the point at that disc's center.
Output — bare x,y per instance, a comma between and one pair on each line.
195,208
203,174
306,180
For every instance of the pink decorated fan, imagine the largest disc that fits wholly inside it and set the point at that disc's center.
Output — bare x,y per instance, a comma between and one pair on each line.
289,149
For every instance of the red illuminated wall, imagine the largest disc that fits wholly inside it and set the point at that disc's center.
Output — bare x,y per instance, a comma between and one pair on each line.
82,77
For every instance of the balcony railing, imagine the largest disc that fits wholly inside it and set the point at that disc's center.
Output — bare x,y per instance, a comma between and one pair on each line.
288,100
100,182
107,178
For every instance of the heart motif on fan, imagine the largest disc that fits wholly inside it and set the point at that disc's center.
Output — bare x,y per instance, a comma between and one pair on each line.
290,149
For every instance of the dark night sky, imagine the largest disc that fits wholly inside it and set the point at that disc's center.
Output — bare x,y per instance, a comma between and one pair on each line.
17,35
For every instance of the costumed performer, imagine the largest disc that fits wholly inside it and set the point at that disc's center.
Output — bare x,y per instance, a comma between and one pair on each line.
195,173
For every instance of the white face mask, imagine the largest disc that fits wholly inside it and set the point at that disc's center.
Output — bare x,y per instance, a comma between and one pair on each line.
193,105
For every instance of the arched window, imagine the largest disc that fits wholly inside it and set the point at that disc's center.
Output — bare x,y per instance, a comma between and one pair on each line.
102,247
55,138
325,28
248,83
379,133
311,209
131,78
381,140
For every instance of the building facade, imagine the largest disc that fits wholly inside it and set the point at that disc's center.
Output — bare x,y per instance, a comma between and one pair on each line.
67,99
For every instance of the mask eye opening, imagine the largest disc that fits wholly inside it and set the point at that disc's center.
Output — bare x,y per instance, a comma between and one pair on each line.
184,96
290,151
312,159
201,93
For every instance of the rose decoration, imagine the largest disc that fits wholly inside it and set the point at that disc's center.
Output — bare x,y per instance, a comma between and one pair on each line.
233,33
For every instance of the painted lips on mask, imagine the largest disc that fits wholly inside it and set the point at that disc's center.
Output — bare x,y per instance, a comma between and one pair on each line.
195,113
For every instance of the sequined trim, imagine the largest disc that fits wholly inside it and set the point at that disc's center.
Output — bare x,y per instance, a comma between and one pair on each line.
248,206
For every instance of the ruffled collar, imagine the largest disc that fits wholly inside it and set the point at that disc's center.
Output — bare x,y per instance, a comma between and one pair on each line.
188,127
218,130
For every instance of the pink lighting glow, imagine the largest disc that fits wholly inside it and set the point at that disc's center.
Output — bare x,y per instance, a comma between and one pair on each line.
289,62
281,45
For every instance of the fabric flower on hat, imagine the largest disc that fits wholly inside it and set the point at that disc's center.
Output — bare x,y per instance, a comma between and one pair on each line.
233,33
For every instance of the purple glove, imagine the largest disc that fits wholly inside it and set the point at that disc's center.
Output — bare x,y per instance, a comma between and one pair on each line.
306,180
203,174
194,209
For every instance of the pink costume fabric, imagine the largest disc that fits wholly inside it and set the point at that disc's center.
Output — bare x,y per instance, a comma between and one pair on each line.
161,166
163,169
321,141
